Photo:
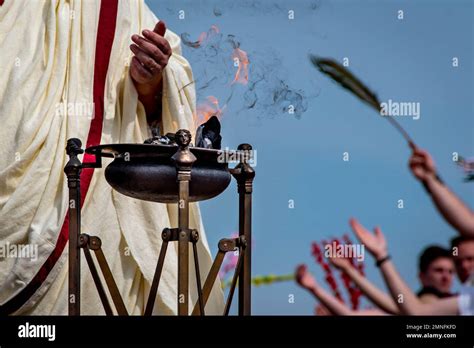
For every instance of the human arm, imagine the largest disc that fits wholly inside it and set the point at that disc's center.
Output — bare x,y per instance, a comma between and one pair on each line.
408,303
151,55
455,212
307,281
377,296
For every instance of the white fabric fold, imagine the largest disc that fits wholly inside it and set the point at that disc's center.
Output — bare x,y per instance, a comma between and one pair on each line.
47,65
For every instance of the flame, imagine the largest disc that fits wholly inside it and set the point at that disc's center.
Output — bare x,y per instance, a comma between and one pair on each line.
207,109
240,57
204,36
210,107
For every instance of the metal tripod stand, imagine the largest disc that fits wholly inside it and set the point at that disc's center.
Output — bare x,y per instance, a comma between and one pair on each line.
183,160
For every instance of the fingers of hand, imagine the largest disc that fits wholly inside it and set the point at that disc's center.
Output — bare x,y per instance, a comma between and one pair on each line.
417,161
356,227
146,61
159,41
378,232
419,153
160,28
151,50
139,72
418,156
300,271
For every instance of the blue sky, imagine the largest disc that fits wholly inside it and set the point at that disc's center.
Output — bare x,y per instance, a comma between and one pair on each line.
300,156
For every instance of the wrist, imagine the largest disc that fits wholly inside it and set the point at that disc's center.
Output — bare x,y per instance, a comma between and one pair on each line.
148,90
314,288
150,96
382,260
380,255
429,178
431,181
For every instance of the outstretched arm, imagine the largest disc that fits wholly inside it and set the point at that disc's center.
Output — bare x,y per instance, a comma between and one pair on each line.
404,297
407,301
456,213
307,281
380,298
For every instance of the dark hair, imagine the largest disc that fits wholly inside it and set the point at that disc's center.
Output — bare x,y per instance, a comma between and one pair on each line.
460,239
430,254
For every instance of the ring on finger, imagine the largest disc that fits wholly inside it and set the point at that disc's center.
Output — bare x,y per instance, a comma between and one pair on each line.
152,67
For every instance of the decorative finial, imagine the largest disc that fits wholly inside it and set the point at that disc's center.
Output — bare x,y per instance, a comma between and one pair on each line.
183,138
73,146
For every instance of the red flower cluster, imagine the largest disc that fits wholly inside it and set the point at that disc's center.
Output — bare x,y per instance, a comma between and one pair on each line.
317,253
353,291
359,265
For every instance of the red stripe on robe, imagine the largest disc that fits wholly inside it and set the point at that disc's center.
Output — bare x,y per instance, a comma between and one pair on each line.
105,38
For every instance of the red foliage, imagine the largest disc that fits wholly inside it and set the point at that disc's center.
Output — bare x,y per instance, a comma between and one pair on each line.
317,253
353,291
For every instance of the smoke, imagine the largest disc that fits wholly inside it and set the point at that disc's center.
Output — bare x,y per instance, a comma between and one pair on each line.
266,92
248,8
257,7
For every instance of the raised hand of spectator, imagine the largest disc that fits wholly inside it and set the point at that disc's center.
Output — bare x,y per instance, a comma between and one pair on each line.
422,165
374,242
305,278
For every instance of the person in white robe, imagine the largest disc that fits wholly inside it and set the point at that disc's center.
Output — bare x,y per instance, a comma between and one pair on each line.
68,70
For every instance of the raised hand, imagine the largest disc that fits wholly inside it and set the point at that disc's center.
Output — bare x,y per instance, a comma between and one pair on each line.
340,262
422,165
151,55
305,278
374,242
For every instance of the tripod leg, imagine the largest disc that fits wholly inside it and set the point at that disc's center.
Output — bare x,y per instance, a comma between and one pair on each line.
183,273
234,281
244,174
96,278
195,238
166,235
210,280
183,159
95,244
73,170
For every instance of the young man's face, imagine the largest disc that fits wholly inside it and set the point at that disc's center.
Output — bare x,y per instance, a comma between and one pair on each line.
439,274
465,260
